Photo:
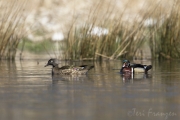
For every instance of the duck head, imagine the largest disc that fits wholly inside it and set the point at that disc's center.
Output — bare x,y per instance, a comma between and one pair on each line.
52,62
126,63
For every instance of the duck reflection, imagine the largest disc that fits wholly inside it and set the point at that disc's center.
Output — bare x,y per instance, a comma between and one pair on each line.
129,76
70,78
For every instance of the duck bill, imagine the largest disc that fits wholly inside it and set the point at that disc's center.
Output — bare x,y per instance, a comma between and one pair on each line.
46,65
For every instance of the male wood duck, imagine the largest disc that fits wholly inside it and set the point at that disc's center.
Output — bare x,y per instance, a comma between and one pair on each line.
131,68
68,70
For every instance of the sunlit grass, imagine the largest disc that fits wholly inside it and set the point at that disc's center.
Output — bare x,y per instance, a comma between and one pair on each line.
123,40
104,39
165,35
11,28
103,35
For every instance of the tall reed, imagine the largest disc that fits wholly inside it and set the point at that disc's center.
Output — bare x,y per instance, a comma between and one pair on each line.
125,39
120,41
11,27
165,35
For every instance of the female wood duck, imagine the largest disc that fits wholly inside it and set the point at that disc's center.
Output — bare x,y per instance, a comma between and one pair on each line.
68,70
131,68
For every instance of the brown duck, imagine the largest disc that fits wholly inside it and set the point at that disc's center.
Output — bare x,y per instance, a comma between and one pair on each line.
68,70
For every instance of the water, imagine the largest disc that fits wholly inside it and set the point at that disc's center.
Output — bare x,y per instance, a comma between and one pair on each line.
29,92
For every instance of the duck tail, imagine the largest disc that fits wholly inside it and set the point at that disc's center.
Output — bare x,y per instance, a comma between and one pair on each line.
148,67
90,67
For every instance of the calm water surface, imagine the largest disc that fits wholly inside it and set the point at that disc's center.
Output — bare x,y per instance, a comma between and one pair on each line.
29,92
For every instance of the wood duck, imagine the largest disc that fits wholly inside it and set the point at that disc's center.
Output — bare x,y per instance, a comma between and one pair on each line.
131,68
68,70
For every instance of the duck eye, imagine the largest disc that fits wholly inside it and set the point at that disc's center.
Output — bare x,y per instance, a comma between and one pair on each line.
50,61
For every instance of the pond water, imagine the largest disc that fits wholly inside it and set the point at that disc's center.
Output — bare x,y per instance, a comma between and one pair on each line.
29,92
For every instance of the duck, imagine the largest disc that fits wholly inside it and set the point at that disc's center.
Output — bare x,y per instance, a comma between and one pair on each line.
127,67
67,70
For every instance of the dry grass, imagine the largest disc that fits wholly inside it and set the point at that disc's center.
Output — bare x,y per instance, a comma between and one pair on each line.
11,28
165,35
121,40
124,39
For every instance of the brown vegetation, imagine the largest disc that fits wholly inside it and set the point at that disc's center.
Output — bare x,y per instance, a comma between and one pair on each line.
105,33
11,28
159,30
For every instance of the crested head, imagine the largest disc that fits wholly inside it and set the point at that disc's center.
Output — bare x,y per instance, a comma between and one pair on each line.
52,62
126,63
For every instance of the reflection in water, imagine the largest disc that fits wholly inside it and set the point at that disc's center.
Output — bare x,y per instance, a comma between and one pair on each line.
28,91
70,78
136,76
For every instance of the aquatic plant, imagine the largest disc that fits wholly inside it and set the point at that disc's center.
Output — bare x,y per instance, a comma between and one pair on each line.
165,35
112,39
11,27
103,38
103,35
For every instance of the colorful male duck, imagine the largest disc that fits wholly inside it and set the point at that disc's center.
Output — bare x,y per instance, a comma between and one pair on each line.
131,68
68,70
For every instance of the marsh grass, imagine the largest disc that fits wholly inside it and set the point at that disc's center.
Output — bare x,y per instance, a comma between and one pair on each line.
165,35
125,40
121,40
11,28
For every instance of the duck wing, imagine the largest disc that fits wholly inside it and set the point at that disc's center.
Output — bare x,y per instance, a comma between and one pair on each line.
137,65
74,69
65,67
85,67
146,67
